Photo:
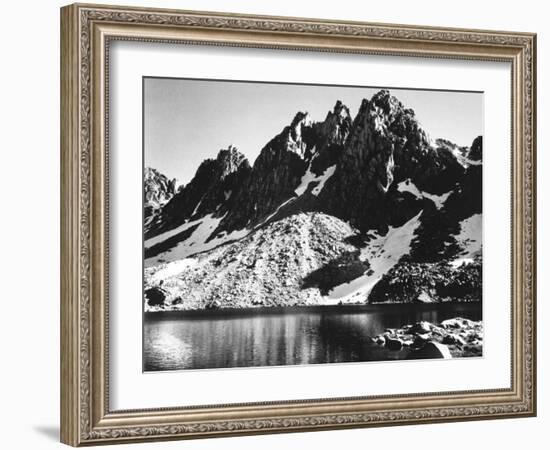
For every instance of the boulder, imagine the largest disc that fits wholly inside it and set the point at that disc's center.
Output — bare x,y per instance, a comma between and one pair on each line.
156,296
473,350
177,301
394,344
453,339
451,323
215,304
424,297
431,350
457,322
421,328
420,341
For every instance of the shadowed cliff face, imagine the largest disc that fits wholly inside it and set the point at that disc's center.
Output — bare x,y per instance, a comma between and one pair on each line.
386,146
158,190
211,191
302,147
378,173
476,150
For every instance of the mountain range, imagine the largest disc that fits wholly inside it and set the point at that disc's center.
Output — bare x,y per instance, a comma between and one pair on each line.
346,210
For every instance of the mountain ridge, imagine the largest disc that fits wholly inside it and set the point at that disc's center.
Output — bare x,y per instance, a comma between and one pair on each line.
375,173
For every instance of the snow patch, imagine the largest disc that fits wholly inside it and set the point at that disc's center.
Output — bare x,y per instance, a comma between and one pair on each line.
172,269
382,253
410,187
310,177
471,162
469,238
168,234
307,178
197,207
463,160
196,243
268,218
460,157
439,200
323,179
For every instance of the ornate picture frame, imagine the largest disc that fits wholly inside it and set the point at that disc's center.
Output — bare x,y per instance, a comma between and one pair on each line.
86,34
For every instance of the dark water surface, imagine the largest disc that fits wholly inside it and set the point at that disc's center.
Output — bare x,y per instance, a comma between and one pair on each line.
285,336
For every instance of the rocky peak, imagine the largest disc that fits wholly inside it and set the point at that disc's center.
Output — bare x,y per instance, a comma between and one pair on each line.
381,126
340,109
149,173
153,174
230,160
385,146
302,118
211,191
227,161
294,137
158,188
476,152
337,124
451,146
384,114
339,114
388,104
277,171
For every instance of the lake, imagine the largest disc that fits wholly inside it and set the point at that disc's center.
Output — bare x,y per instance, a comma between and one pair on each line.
282,336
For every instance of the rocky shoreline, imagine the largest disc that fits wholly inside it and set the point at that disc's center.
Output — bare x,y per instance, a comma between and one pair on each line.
452,338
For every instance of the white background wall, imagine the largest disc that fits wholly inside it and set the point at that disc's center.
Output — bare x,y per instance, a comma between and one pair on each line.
29,222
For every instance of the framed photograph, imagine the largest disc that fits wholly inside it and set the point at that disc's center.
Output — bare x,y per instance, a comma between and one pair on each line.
274,224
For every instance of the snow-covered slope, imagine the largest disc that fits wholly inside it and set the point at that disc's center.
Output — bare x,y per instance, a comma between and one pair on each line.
469,239
409,186
304,259
265,268
382,253
199,240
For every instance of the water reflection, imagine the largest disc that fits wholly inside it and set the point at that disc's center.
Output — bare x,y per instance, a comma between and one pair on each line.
284,337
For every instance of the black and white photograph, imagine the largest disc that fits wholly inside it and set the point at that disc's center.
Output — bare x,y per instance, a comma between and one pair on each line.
292,224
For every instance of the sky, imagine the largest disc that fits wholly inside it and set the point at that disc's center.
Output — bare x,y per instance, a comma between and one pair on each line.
187,121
